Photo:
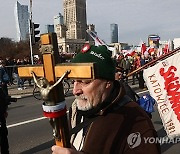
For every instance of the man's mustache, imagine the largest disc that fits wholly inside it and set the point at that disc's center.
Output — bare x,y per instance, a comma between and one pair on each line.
81,97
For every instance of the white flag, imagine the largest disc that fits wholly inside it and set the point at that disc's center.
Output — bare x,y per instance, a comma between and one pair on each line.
163,82
97,40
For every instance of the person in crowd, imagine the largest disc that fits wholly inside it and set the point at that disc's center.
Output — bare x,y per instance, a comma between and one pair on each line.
37,59
103,119
133,68
119,76
127,67
145,101
27,61
20,81
140,61
121,62
9,68
4,79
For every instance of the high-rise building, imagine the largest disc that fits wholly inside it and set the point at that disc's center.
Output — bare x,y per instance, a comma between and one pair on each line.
58,19
22,21
71,28
114,33
49,28
59,27
75,18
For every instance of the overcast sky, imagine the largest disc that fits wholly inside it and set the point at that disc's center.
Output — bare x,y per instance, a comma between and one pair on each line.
136,19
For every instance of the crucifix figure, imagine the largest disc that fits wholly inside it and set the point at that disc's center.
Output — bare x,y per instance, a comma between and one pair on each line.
45,88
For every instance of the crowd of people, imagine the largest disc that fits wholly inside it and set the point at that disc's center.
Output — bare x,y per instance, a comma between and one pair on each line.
129,64
126,63
11,66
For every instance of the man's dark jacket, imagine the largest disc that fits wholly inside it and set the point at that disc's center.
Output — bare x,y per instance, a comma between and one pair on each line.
117,120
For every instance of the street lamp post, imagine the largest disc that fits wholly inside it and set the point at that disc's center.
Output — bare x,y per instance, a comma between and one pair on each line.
30,33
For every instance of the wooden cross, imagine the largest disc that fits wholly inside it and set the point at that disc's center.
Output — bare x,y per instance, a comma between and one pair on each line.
51,71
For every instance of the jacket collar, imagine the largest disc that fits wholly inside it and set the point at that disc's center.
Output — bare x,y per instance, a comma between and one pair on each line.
117,94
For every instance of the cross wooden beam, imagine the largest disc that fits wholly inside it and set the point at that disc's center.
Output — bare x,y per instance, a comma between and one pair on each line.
78,70
51,71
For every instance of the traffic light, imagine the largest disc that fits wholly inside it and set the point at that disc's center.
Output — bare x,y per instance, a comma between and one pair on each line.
34,33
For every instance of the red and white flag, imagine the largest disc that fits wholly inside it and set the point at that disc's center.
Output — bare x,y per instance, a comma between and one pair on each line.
130,52
143,48
166,49
163,82
99,42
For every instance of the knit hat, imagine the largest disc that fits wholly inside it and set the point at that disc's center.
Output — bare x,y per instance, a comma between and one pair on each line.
101,56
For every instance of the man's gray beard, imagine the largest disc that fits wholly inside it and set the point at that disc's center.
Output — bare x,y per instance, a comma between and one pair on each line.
86,106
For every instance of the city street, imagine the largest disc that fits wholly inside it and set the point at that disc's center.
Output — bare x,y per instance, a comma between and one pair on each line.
30,132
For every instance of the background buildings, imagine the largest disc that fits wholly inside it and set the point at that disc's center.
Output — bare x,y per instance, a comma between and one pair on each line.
71,25
49,28
22,21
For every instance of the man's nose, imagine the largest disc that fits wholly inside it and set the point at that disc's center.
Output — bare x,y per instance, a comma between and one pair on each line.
77,89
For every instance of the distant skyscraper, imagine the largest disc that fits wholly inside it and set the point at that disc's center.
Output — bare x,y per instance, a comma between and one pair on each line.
75,18
58,19
114,33
59,27
22,21
49,28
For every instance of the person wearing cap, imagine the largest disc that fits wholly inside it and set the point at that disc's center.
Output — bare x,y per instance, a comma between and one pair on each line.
103,119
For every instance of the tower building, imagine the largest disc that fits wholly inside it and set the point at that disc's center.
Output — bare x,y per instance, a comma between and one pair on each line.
75,18
22,21
58,19
114,33
59,27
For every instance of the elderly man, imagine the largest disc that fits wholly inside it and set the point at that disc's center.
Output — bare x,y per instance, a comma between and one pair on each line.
104,120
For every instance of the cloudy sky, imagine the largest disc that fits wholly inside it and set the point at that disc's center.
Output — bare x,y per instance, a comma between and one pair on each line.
136,19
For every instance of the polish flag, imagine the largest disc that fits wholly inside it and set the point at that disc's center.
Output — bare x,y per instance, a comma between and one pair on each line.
151,50
143,48
131,53
166,49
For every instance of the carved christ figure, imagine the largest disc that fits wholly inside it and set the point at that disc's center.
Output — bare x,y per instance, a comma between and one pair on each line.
44,86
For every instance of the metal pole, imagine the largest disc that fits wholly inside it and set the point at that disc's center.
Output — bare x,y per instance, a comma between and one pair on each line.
30,33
